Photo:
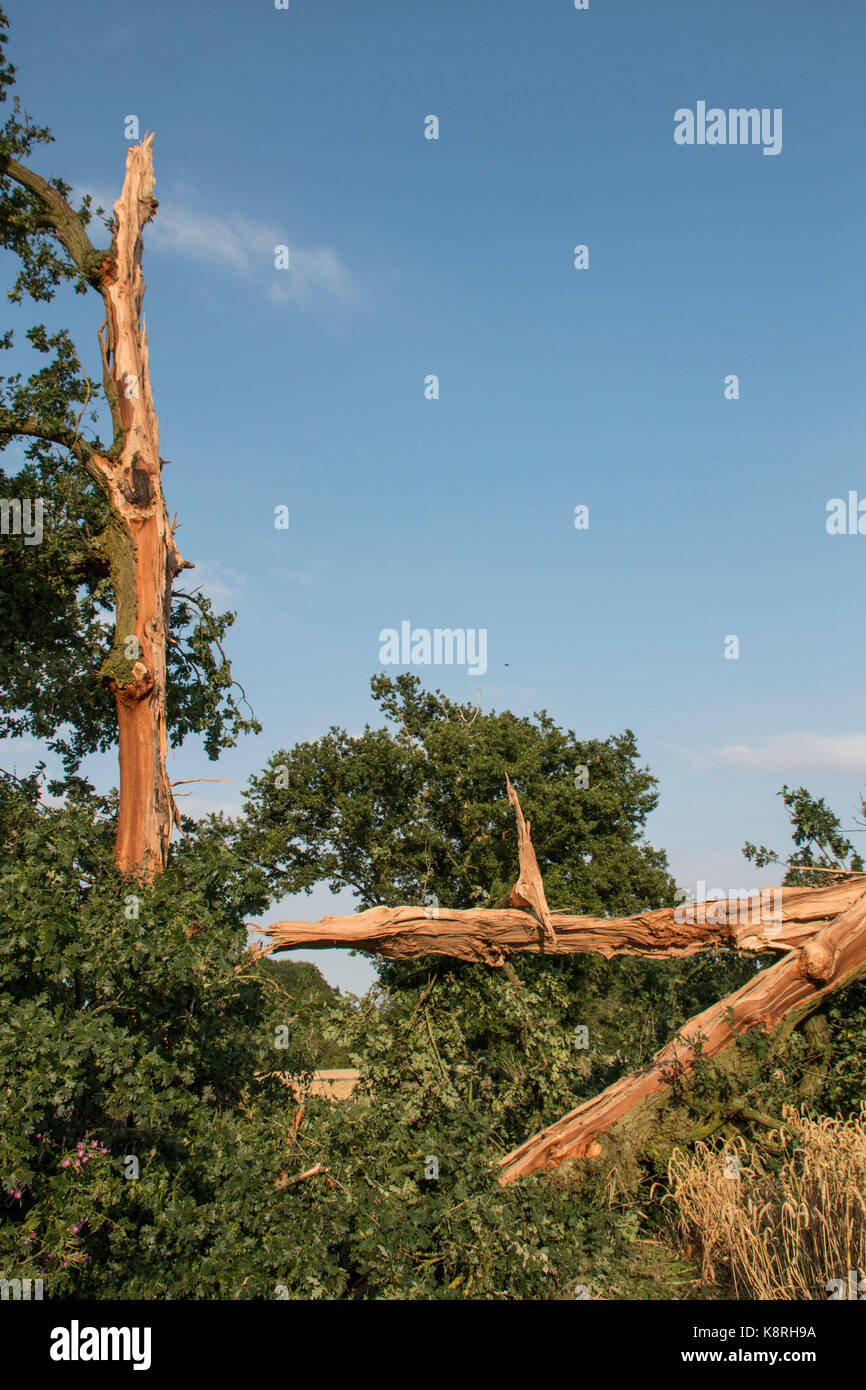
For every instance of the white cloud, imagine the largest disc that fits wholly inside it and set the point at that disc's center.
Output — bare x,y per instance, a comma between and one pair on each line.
805,752
243,247
246,248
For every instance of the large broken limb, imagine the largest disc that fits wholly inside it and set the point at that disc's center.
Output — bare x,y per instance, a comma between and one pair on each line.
830,958
783,919
821,930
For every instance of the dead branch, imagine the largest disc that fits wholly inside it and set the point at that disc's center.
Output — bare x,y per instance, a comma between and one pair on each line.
491,935
283,1182
185,781
791,989
821,930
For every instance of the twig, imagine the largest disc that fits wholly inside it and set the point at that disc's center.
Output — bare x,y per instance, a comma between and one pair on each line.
445,1075
86,398
467,724
184,781
191,598
282,1181
819,869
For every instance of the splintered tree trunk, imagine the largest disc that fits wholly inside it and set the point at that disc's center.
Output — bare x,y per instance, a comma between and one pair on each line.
821,930
790,990
139,540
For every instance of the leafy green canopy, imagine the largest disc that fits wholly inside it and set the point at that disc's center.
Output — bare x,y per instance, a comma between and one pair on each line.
833,1051
821,843
134,1027
419,809
56,596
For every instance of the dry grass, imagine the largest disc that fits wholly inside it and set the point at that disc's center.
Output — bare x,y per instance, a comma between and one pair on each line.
779,1235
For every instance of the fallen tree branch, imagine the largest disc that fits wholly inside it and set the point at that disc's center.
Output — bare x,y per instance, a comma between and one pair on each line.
831,958
821,930
491,935
185,781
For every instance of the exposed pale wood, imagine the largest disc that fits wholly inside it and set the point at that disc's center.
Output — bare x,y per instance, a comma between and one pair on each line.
528,891
283,1181
332,1083
829,959
492,935
821,930
140,544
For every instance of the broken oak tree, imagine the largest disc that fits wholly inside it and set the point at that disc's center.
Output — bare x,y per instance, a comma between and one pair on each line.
138,543
822,932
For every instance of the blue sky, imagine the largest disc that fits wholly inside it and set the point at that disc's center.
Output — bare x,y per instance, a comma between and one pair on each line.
558,386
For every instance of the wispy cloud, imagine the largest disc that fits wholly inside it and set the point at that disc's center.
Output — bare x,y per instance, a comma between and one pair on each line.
246,248
243,247
800,752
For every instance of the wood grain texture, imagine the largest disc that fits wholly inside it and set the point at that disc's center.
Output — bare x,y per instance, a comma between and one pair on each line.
834,956
140,545
822,932
491,935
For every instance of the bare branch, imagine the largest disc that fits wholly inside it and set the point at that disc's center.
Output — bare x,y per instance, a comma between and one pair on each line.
491,935
791,989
